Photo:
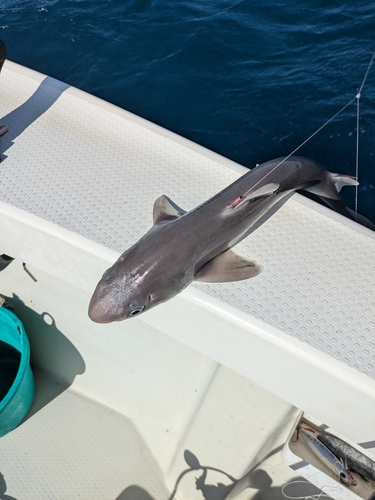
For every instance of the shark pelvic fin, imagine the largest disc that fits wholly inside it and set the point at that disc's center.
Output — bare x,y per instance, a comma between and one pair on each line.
265,190
228,266
165,209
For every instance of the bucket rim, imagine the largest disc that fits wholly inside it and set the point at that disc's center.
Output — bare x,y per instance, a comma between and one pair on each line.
10,319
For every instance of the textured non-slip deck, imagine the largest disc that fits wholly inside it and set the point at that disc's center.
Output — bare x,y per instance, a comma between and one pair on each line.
70,448
96,170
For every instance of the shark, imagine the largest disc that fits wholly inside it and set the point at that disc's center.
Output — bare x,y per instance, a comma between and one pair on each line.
182,247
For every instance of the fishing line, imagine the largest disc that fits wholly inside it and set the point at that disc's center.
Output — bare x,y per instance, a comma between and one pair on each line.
300,146
367,72
316,496
357,97
357,160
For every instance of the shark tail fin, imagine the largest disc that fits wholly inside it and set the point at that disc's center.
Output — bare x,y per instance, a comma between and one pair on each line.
347,180
330,186
328,190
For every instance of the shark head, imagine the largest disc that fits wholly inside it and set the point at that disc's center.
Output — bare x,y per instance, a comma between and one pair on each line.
159,266
119,296
139,280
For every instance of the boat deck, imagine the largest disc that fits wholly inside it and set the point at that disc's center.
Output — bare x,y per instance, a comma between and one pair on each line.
76,448
71,447
96,170
71,162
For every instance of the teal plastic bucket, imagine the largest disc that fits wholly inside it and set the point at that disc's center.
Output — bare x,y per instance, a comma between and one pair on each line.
16,379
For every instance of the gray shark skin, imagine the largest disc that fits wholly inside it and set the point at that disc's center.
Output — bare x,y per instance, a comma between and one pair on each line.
182,247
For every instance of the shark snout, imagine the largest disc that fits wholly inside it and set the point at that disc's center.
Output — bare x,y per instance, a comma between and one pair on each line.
101,310
96,315
98,318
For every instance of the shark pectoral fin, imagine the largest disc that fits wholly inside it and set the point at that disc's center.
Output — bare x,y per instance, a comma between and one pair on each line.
165,209
228,266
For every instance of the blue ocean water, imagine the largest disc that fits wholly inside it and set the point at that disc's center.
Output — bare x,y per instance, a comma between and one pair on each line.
249,80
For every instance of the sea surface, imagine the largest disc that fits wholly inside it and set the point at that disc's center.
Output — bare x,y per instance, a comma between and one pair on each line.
249,80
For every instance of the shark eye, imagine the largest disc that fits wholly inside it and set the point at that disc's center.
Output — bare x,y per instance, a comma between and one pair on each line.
136,311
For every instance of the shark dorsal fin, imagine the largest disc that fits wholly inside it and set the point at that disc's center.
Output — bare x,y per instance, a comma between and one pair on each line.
165,209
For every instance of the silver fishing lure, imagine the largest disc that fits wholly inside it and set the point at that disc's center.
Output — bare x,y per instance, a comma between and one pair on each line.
352,458
327,457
